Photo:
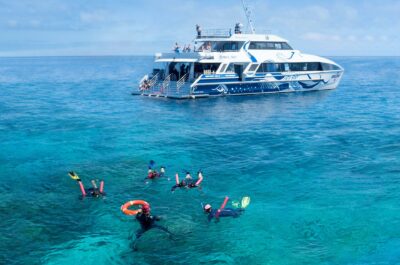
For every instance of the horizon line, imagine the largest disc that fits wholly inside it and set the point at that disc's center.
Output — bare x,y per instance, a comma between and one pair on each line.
152,55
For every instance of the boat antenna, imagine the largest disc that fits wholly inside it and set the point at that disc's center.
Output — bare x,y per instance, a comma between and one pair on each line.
248,16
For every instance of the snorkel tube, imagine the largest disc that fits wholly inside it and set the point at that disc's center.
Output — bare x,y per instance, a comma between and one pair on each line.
200,179
222,207
82,188
101,186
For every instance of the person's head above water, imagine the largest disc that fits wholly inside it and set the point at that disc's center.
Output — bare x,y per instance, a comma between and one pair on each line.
146,209
207,208
96,193
188,176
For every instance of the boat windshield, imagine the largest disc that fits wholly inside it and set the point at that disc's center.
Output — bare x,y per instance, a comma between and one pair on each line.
224,46
220,46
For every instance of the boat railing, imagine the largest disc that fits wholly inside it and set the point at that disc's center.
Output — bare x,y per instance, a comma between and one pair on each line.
165,84
154,79
215,33
146,84
181,82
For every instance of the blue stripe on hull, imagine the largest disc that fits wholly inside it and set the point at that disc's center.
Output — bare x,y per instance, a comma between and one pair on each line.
208,81
260,87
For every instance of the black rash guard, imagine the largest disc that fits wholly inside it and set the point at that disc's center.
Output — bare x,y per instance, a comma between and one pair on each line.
225,213
146,220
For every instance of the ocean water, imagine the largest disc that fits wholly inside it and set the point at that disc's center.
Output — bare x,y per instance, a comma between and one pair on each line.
322,168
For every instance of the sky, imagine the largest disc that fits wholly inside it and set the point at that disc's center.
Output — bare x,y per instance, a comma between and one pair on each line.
143,27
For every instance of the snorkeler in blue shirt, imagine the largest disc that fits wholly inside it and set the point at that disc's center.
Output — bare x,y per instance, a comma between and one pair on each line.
226,212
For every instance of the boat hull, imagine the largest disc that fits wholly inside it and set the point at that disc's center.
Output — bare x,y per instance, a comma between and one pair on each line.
212,86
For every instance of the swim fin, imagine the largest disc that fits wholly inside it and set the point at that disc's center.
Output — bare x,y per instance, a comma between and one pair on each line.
245,202
236,204
74,176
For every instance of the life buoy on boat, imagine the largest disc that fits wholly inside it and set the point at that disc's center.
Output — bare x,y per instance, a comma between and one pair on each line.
125,208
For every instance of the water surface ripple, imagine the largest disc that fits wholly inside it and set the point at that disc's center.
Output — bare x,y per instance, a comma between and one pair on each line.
322,168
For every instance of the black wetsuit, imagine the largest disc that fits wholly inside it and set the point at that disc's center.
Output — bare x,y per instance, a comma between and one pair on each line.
188,183
226,212
148,222
180,185
94,192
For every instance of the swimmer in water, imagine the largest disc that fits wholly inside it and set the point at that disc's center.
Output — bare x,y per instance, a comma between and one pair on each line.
188,182
152,173
226,212
94,191
147,222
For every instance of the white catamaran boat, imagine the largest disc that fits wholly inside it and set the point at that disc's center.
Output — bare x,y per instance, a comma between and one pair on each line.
232,63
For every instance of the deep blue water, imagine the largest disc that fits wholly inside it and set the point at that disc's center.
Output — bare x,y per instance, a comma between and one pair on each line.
322,168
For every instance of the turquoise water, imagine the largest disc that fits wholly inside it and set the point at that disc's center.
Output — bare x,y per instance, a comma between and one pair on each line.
322,168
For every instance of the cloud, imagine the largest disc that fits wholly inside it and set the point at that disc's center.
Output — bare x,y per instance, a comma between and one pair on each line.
351,38
93,16
350,13
320,12
369,38
12,23
315,36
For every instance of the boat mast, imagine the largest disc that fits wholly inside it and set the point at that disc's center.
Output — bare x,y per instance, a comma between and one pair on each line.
248,16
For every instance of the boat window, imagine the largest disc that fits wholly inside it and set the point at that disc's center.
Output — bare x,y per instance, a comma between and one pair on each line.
286,67
328,66
296,67
205,68
231,68
178,70
252,67
262,45
223,46
223,67
286,46
314,67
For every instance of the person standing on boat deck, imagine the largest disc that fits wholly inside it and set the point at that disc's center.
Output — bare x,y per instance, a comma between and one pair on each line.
187,70
198,29
177,47
182,70
237,28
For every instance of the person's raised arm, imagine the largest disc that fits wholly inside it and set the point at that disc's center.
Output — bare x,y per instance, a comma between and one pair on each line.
82,188
102,186
222,207
94,183
200,175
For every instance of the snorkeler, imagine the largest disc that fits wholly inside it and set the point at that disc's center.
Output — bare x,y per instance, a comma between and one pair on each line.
227,212
188,182
152,173
147,222
94,191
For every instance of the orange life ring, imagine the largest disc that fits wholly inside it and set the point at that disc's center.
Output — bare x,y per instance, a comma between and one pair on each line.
125,207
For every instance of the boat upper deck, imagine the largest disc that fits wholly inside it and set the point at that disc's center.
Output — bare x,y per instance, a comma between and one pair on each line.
221,35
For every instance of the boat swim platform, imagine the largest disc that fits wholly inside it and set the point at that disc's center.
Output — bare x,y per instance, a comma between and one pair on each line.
164,95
